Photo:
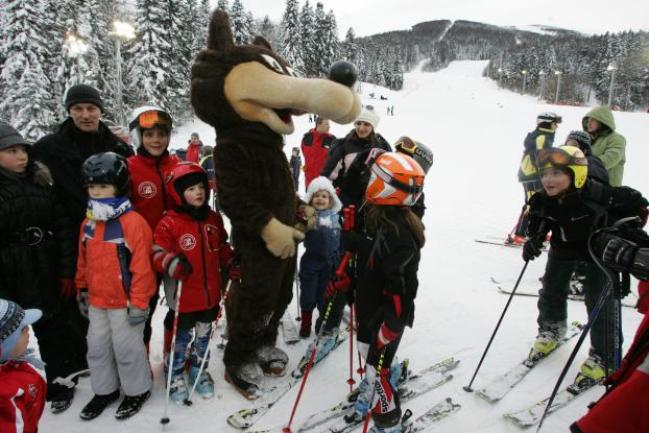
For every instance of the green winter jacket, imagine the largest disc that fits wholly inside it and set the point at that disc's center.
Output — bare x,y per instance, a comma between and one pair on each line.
608,145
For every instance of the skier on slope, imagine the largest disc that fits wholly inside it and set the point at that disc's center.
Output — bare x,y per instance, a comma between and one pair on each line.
150,128
623,408
541,138
191,246
572,205
388,253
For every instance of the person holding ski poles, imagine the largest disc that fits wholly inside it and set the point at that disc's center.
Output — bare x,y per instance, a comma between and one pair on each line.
573,206
623,409
541,138
191,246
115,282
150,131
388,253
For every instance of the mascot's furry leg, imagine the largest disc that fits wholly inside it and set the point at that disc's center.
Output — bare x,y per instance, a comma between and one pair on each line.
255,308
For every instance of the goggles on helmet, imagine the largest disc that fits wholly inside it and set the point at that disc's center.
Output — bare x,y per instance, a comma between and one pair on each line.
406,145
149,119
558,157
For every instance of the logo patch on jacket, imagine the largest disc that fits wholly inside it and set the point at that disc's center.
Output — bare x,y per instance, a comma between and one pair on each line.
147,189
187,242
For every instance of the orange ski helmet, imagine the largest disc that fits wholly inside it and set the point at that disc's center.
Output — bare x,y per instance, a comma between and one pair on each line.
395,180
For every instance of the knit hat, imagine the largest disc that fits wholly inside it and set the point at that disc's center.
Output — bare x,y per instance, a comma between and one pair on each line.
582,139
368,115
12,321
83,93
322,183
9,136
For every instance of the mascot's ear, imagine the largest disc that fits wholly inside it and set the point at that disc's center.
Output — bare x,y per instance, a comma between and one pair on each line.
261,42
219,36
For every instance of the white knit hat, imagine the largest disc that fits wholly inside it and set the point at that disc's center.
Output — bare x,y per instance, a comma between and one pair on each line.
322,183
370,116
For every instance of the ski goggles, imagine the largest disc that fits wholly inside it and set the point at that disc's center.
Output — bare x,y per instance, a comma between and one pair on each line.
149,119
558,157
406,145
410,147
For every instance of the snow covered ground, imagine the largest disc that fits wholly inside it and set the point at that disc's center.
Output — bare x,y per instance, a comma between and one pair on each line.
476,132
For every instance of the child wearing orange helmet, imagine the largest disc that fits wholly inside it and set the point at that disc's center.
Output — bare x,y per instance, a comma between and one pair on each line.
388,253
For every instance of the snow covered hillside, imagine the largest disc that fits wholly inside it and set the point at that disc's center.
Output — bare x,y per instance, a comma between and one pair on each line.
476,132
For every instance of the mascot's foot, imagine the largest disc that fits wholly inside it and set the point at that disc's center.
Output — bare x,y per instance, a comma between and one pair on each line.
272,360
247,379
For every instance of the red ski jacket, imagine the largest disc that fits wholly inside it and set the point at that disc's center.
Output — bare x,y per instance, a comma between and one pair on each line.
315,148
204,244
22,397
148,194
193,152
623,409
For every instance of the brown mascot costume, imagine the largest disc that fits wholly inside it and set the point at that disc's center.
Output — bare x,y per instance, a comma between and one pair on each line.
248,94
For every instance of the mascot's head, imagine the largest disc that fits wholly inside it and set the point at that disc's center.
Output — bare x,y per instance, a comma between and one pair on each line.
233,85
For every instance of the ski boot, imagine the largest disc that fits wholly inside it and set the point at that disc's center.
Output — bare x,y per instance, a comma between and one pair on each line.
97,405
394,429
546,342
62,400
591,373
131,405
399,374
178,390
205,385
272,360
247,379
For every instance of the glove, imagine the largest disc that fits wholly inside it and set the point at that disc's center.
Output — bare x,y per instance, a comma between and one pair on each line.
82,300
532,248
234,270
179,268
618,253
351,240
280,239
66,288
137,315
338,284
385,336
306,217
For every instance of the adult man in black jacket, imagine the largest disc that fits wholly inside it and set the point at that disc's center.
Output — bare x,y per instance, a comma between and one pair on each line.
81,135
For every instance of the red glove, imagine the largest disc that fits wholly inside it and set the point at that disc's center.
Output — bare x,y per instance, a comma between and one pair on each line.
234,270
338,284
385,336
179,268
66,288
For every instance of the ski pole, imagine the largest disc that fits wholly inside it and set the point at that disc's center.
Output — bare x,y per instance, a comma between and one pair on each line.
297,283
309,364
165,418
351,380
188,400
591,319
468,388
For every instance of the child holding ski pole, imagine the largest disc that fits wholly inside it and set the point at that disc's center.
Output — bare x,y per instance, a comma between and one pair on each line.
191,246
115,282
573,206
388,253
322,249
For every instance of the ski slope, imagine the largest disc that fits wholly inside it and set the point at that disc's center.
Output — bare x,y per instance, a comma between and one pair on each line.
476,132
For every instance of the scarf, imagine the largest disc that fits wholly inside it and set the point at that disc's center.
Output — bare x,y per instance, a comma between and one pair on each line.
106,209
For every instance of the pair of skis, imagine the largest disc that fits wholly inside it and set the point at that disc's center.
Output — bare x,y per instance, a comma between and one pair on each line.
500,386
331,420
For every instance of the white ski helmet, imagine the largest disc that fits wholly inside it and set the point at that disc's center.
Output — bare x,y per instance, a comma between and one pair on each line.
147,117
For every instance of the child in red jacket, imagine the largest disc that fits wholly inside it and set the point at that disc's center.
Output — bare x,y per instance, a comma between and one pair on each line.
191,246
22,379
150,130
115,281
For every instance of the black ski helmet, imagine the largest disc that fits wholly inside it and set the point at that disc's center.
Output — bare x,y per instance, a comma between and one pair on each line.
548,117
108,168
9,136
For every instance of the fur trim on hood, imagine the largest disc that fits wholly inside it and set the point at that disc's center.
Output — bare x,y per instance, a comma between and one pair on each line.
322,183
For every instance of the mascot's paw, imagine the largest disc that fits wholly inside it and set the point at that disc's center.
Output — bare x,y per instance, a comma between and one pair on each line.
280,239
306,217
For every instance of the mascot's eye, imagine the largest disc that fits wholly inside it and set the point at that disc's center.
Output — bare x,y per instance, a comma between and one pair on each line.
292,72
270,61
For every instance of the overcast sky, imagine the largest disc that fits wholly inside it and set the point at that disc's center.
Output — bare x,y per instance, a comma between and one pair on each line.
376,16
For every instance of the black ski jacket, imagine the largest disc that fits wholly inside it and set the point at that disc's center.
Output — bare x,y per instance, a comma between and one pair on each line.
36,240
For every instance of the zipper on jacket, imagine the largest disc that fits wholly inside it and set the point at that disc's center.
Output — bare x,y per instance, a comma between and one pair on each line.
162,183
207,290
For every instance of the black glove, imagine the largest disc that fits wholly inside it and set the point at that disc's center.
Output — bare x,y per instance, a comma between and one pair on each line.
351,240
532,248
617,253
